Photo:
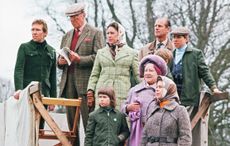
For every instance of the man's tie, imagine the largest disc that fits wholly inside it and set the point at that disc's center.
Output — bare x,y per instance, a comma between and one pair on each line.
159,45
74,40
72,47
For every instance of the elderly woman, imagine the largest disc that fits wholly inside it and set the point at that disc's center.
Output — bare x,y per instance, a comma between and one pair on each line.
167,122
140,96
113,66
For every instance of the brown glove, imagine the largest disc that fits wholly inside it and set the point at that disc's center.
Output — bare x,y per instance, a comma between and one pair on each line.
90,100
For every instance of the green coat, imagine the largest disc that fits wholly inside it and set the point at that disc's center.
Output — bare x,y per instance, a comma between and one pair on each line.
194,69
36,62
114,73
106,127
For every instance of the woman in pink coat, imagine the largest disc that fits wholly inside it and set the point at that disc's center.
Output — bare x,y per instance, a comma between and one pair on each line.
141,95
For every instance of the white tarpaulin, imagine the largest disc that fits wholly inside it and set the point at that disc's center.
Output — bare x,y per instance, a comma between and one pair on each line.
17,118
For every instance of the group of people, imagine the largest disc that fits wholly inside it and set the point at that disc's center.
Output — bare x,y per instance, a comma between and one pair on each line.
158,108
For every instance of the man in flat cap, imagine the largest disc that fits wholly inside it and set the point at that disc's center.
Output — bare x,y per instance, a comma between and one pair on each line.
188,68
83,41
162,28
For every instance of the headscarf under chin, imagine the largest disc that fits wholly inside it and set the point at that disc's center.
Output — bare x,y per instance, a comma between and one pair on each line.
114,48
170,90
121,34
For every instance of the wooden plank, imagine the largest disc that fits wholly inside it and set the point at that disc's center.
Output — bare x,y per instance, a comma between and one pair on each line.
61,101
40,107
219,96
52,136
76,119
206,102
202,109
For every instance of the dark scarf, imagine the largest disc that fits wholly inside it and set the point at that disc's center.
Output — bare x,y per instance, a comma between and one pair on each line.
40,45
113,48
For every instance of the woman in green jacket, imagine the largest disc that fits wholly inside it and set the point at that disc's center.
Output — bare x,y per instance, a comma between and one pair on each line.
113,65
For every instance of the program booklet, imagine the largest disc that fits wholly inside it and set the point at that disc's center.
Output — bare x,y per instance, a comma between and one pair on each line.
64,52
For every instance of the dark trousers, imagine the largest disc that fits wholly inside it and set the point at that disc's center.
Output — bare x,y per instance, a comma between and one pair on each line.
70,92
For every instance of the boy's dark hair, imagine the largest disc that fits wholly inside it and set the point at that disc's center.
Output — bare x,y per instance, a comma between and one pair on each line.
110,92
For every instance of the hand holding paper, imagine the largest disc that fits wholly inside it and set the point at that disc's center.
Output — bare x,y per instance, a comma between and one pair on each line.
74,57
64,56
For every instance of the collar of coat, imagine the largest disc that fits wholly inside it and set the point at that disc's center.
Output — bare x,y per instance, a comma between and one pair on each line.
187,49
152,46
143,86
153,107
43,45
123,53
102,109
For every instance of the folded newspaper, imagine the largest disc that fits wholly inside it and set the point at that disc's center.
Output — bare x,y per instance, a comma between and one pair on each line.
64,52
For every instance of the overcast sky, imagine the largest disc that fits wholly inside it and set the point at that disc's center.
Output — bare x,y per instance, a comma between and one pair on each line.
14,28
15,25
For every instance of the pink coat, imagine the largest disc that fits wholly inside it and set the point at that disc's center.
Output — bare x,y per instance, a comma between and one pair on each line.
144,95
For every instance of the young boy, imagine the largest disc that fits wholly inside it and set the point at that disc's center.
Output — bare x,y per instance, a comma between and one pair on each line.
106,126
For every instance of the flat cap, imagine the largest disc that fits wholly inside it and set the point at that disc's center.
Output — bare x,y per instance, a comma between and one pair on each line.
75,9
180,30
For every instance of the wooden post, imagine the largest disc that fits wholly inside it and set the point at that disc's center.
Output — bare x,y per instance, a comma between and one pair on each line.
206,102
44,113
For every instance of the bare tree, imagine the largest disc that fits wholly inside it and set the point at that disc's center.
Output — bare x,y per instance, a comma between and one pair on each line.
209,23
210,32
111,6
150,19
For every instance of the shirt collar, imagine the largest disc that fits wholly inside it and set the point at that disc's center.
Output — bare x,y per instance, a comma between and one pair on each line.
182,49
164,42
81,28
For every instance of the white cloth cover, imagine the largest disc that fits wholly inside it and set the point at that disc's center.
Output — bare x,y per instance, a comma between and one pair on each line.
17,118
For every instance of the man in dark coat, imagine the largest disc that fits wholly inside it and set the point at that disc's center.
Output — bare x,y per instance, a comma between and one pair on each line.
188,69
36,61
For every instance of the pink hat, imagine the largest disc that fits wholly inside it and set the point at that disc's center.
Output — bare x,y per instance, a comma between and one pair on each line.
158,62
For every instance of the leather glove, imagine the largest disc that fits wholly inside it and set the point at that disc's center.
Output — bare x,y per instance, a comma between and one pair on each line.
90,98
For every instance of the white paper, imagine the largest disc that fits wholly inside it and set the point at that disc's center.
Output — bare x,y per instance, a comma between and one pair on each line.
64,52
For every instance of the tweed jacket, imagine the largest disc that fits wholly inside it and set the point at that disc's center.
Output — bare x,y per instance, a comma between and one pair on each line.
90,40
114,73
150,48
172,122
194,69
36,62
